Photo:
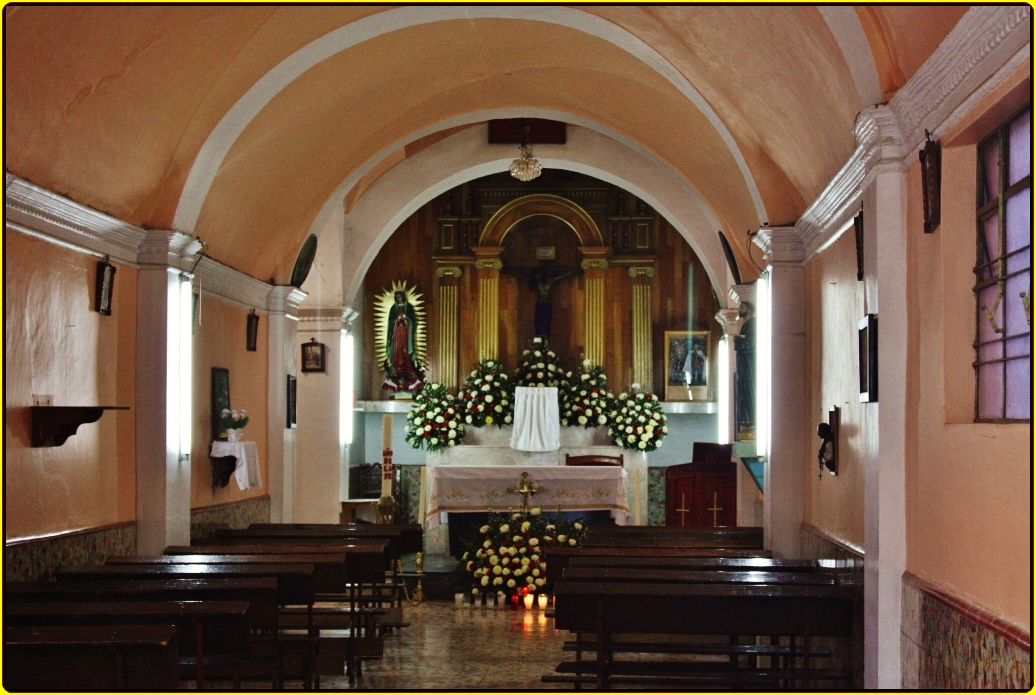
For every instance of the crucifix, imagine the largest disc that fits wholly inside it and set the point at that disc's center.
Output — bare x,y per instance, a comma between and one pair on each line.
682,508
715,508
526,488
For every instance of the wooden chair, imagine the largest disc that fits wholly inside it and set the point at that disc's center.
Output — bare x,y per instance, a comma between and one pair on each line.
593,460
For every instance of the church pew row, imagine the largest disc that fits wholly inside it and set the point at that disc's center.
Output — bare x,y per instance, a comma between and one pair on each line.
61,659
699,563
741,534
558,558
294,535
606,609
204,629
411,536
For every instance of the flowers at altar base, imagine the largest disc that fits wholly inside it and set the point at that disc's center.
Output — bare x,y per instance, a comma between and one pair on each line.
487,397
637,421
539,366
585,398
507,551
434,420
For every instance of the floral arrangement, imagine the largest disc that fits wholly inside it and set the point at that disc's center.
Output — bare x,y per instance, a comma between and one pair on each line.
507,554
488,396
233,419
585,399
539,366
434,420
638,422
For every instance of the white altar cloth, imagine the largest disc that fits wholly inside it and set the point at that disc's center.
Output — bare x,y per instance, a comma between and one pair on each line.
484,488
537,422
246,472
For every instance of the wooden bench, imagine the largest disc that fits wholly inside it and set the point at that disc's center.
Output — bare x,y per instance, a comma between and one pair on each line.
292,535
203,628
558,557
608,608
411,536
625,574
752,534
128,657
698,563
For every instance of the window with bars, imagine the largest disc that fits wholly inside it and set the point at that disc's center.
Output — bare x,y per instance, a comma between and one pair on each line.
1003,275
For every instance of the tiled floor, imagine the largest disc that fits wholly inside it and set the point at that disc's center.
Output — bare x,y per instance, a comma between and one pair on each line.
446,648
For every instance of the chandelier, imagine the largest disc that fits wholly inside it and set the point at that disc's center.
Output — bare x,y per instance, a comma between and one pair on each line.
526,167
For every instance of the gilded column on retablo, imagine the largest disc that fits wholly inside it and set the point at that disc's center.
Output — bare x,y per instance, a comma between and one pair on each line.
594,265
448,328
488,268
641,373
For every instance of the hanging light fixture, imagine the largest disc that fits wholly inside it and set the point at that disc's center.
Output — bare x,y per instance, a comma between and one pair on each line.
526,167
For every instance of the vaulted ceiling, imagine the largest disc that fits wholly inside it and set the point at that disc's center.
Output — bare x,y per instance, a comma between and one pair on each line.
238,124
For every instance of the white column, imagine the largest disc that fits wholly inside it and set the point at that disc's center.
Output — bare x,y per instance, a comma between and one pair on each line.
784,484
731,323
283,305
163,391
885,499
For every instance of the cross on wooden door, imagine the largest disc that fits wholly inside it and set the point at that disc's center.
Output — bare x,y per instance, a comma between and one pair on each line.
683,509
715,508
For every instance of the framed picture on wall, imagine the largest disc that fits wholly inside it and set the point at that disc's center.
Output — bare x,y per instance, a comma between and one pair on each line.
252,331
220,400
868,332
105,287
292,401
688,363
313,354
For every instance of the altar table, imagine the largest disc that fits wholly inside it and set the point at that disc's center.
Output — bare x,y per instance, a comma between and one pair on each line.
484,488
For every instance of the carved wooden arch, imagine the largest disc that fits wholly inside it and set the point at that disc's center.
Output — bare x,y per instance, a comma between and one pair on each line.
505,219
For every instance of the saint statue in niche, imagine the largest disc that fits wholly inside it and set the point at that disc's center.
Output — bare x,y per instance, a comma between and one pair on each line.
400,341
541,279
744,375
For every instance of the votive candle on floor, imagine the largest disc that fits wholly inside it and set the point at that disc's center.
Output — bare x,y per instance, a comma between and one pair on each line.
542,601
501,599
458,600
528,598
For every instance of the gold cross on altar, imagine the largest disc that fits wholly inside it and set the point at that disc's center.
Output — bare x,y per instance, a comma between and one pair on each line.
526,488
715,508
682,508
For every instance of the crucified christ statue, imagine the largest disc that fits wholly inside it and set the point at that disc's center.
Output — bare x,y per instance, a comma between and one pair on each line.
541,279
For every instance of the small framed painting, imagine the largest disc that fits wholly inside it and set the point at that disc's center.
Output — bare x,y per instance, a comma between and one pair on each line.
292,402
688,363
252,332
220,401
313,354
868,355
105,287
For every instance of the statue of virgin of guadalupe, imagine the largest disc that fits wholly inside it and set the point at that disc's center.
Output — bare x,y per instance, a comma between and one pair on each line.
403,373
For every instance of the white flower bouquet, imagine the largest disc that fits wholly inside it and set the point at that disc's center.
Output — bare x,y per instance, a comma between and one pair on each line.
585,399
434,420
539,366
637,422
508,553
233,419
488,396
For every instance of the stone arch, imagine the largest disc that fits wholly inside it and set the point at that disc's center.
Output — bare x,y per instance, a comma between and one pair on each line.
541,204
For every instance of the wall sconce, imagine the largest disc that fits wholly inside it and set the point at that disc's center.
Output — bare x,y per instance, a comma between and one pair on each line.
252,331
931,183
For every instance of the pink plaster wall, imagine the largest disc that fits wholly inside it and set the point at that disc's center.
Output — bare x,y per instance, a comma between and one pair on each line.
834,306
220,342
317,467
969,485
56,344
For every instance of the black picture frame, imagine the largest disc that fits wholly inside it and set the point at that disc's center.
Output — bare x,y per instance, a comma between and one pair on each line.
868,357
292,402
858,228
220,400
930,157
313,356
105,287
252,331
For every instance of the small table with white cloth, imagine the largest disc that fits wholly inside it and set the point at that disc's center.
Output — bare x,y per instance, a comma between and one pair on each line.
484,488
246,472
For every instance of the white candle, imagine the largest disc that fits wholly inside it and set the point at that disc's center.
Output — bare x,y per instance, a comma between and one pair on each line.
458,600
528,601
542,601
501,600
386,432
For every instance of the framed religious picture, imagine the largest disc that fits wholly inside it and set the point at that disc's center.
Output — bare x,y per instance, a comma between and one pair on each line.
252,331
868,356
313,354
105,287
688,364
220,401
292,402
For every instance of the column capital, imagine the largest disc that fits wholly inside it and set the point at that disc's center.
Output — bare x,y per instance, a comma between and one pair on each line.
450,271
348,316
730,320
285,299
638,270
169,248
780,245
739,294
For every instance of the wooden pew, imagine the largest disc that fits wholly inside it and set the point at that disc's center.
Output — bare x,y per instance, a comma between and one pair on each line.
329,569
606,608
411,536
280,531
365,562
56,659
698,563
558,557
625,574
740,533
203,628
712,541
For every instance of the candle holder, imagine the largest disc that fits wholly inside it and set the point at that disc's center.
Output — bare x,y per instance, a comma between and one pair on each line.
541,601
527,600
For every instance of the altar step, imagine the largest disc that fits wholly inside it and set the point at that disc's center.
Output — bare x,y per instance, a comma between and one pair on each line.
443,576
